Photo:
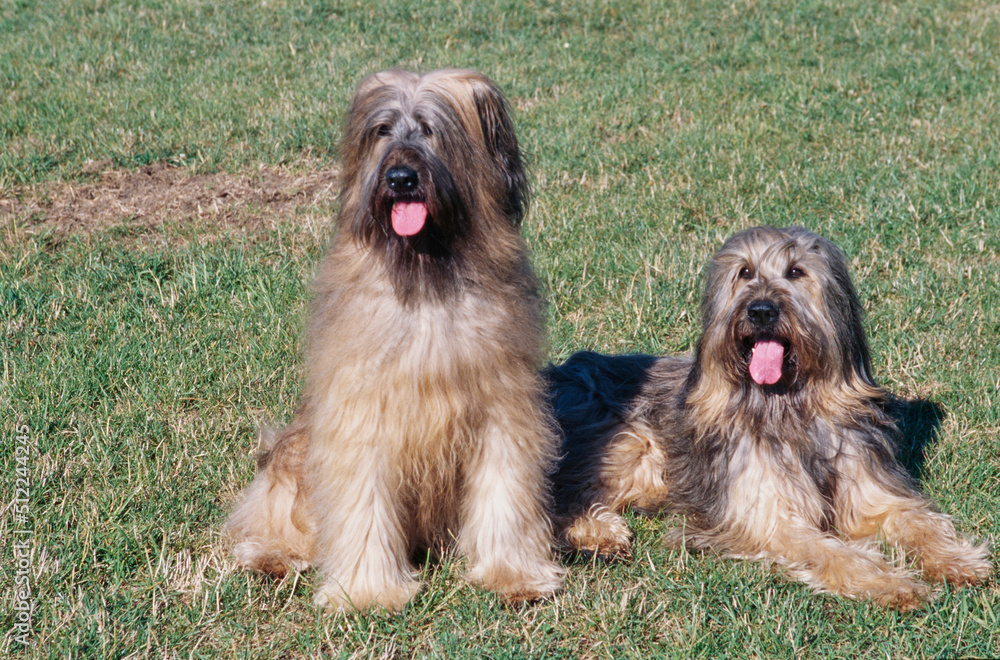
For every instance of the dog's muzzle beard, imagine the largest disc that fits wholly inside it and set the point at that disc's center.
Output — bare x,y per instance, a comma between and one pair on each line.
417,220
763,344
416,203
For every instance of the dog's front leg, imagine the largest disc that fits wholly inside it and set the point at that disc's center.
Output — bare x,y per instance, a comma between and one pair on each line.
909,521
854,570
361,549
506,534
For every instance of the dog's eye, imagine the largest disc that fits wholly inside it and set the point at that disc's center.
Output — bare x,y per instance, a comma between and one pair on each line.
746,273
795,273
383,130
425,127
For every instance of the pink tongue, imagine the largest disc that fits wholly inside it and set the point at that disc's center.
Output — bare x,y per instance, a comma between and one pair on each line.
408,217
766,361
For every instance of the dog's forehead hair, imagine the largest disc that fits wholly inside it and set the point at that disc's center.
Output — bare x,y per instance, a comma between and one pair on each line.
775,259
770,252
439,97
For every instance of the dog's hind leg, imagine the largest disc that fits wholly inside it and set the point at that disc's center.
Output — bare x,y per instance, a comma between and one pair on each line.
598,530
626,470
271,525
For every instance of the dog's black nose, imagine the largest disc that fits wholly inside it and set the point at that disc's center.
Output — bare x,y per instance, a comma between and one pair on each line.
762,313
402,179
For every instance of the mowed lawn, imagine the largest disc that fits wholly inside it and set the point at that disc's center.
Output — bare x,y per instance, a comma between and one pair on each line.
167,183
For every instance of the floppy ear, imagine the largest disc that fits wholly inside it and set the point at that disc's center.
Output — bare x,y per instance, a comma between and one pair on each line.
844,305
501,141
855,339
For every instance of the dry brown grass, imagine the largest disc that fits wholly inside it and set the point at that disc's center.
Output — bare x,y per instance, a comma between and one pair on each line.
146,200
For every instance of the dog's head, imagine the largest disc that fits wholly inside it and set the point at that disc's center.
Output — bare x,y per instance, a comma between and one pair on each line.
424,155
780,311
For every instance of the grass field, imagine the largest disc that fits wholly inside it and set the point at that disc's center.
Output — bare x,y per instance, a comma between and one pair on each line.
167,179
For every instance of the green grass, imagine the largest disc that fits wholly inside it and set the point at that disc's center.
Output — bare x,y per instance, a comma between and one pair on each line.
142,358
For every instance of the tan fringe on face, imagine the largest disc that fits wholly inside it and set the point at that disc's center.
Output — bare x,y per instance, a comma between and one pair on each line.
423,422
801,472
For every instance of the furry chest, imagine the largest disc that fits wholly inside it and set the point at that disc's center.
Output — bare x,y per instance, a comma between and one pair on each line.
409,375
769,490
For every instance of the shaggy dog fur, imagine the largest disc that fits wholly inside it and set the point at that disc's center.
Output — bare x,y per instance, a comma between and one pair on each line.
423,422
773,441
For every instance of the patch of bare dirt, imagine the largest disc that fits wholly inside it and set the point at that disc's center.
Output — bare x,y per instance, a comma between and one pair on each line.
162,195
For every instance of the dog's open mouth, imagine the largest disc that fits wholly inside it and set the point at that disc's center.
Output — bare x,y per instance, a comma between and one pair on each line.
767,358
408,216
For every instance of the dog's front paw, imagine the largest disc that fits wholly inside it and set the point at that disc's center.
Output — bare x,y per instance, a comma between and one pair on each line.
529,581
959,570
391,597
900,593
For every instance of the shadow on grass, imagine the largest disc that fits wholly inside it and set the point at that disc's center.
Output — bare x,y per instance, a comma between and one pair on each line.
919,421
